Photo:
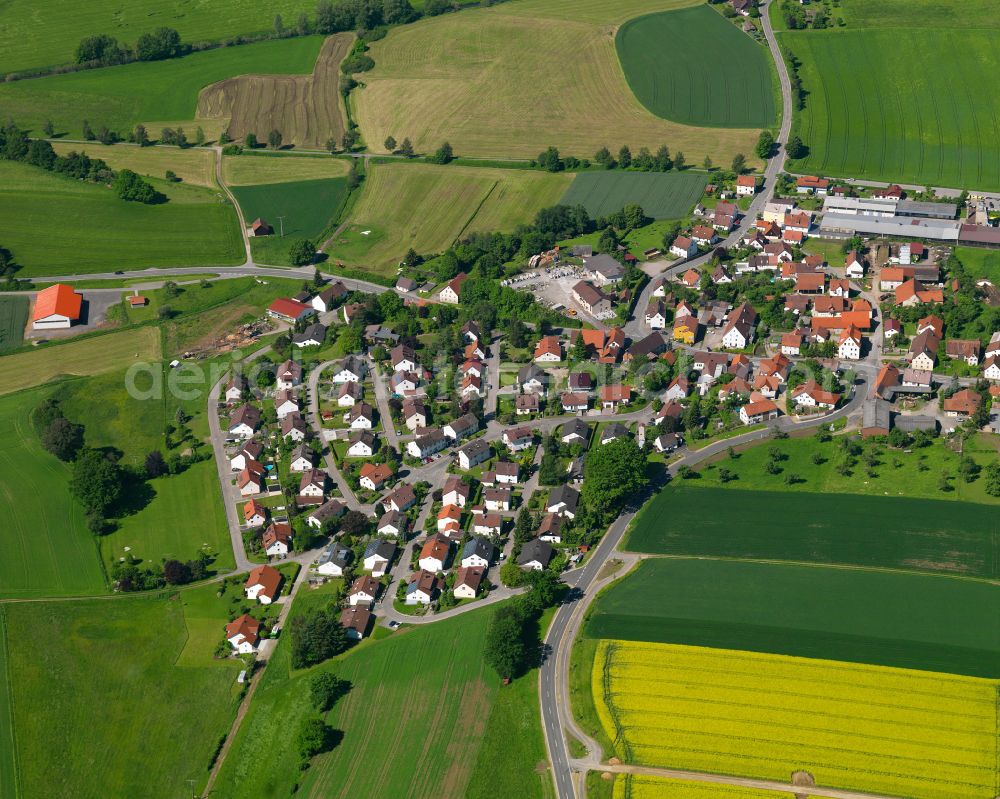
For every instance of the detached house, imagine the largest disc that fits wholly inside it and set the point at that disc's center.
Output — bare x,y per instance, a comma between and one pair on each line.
422,588
563,501
478,552
810,395
244,422
548,350
277,539
434,554
363,591
243,634
378,556
452,293
518,439
614,396
849,346
535,555
757,412
263,584
467,582
474,453
684,247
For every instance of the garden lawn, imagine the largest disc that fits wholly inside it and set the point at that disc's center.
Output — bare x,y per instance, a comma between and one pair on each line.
13,319
88,356
506,92
871,114
662,195
664,59
888,618
929,535
156,93
194,165
49,550
980,263
185,515
68,226
251,168
428,207
869,728
99,690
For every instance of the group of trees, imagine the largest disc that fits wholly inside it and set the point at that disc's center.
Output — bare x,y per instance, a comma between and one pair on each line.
316,636
103,50
129,186
643,162
361,15
512,638
16,146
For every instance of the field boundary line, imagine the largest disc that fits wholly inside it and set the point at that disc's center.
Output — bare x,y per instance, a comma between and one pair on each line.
813,564
15,761
475,213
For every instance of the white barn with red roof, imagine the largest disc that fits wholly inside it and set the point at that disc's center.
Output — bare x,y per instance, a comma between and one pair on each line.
56,307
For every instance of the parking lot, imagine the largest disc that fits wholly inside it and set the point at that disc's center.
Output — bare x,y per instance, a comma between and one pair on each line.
553,288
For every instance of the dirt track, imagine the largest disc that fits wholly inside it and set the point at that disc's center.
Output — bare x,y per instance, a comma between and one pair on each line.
307,109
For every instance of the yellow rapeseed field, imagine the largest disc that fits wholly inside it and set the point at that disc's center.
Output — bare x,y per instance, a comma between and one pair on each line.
638,786
854,726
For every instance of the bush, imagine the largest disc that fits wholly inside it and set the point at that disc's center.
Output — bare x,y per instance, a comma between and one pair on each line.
302,252
129,186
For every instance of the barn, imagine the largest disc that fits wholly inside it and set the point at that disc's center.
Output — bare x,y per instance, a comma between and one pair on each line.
56,307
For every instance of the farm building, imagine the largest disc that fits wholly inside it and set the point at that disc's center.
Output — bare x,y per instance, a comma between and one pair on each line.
260,228
56,307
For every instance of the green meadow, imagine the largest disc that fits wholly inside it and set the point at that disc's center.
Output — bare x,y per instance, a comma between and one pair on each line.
883,618
691,65
67,226
668,195
870,113
50,551
103,705
13,318
158,93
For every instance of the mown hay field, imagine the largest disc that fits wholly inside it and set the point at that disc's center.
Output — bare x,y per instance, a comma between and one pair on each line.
89,356
871,114
99,689
664,59
49,550
427,207
46,34
928,535
492,83
193,165
851,726
667,195
156,93
253,168
910,621
13,318
65,226
306,109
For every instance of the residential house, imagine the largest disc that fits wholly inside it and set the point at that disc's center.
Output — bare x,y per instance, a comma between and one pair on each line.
962,403
361,444
245,421
378,556
810,184
792,343
810,283
891,328
471,332
403,358
704,236
811,395
277,539
526,404
392,523
839,287
686,329
254,514
285,402
614,396
250,451
550,528
289,310
422,588
243,634
356,621
548,350
923,351
293,428
854,266
403,498
313,485
348,394
330,510
656,315
250,481
414,414
683,247
746,185
456,491
532,379
313,336
452,293
467,582
478,552
263,584
374,476
490,524
329,297
334,559
604,269
963,349
430,443
449,515
535,555
933,323
667,442
364,591
563,501
474,453
462,427
497,499
849,345
759,411
351,369
592,299
302,458
434,554
288,375
518,439
361,416
575,401
991,367
403,383
575,431
912,292
236,388
613,432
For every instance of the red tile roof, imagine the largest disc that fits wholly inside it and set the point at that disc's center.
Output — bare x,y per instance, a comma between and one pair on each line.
60,300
